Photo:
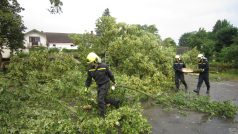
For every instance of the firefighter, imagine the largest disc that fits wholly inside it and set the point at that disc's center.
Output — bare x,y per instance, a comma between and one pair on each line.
179,75
102,76
204,73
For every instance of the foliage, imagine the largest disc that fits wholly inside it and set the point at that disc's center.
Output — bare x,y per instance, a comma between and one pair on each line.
106,12
55,6
129,54
219,40
46,101
225,75
136,87
203,104
87,42
11,25
149,28
185,40
229,55
169,42
33,108
43,91
106,31
200,39
25,69
124,120
190,58
224,34
53,50
127,48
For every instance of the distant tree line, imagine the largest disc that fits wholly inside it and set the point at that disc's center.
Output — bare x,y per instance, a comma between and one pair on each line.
221,44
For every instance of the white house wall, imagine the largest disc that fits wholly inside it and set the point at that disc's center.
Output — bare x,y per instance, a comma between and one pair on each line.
43,42
5,53
61,45
28,44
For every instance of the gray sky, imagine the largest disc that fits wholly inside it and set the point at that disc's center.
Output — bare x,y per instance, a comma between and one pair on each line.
171,17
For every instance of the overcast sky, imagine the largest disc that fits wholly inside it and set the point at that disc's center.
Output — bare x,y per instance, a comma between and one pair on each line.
171,17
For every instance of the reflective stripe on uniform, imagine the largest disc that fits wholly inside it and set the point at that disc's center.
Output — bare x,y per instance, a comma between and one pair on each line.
91,70
101,68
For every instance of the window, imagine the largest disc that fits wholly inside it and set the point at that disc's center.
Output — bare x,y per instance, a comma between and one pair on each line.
34,40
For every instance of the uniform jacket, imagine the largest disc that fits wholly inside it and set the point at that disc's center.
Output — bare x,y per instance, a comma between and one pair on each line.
203,64
101,75
178,65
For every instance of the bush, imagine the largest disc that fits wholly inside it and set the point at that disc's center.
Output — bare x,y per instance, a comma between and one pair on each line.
40,66
190,58
185,101
229,55
124,120
45,91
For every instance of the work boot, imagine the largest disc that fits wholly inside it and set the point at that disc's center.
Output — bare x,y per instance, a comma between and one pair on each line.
208,91
117,104
196,91
186,88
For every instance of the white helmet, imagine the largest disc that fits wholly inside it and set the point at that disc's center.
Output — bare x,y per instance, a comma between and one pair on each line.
200,56
177,56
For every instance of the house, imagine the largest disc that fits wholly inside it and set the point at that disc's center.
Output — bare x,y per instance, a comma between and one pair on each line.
35,38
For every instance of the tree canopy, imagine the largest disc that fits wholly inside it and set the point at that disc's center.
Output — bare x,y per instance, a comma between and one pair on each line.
106,12
55,6
212,43
11,25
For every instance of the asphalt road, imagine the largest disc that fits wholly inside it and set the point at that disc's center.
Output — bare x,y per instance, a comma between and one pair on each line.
164,122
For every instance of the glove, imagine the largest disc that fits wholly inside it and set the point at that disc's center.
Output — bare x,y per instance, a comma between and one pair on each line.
113,86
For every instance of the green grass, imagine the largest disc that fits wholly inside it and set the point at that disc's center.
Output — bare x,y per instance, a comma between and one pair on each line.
230,75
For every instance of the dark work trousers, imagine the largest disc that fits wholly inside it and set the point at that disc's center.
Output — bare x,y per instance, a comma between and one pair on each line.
180,76
103,100
201,78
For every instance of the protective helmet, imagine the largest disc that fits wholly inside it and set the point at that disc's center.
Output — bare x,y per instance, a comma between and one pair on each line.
92,57
177,56
200,56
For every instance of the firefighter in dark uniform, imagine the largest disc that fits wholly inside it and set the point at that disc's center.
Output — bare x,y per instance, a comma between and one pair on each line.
204,73
102,76
179,75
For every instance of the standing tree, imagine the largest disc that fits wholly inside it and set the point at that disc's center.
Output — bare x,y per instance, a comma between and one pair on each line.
55,6
224,34
169,42
11,25
186,39
149,28
106,30
200,39
106,12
